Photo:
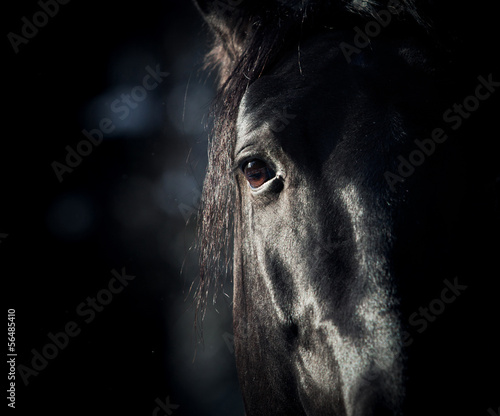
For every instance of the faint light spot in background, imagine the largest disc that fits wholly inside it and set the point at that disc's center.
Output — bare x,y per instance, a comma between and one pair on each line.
71,217
134,110
178,194
131,118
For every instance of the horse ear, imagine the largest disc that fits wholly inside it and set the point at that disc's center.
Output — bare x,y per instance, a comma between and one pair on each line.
231,22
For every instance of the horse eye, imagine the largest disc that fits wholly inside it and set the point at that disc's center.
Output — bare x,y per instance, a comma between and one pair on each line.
257,173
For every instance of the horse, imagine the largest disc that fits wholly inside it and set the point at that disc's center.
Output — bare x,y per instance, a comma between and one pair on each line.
352,193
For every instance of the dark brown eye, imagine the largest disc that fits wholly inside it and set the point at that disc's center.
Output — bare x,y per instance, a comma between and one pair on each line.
257,173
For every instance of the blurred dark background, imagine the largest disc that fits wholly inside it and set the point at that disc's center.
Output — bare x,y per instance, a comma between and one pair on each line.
128,204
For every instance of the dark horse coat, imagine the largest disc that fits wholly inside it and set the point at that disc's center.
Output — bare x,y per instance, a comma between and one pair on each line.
353,180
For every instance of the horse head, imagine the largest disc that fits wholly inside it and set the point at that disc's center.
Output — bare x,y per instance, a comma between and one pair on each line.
336,170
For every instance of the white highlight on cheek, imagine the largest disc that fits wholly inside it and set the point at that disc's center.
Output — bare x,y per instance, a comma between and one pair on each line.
325,341
379,350
373,307
352,202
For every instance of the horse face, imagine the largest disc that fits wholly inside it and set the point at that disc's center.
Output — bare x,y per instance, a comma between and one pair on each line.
316,312
351,225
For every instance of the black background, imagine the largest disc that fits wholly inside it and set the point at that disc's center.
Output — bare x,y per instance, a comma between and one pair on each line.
129,205
125,205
